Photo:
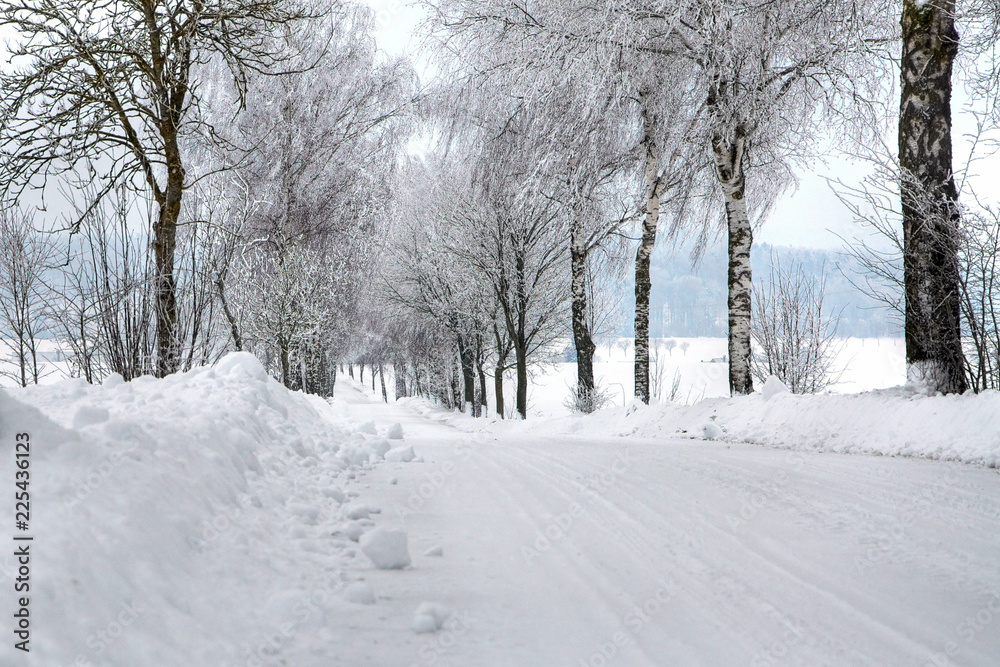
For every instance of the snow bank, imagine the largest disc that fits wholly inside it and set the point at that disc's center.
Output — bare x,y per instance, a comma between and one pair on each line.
173,518
892,422
898,421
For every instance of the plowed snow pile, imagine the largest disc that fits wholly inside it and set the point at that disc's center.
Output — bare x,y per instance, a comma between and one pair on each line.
890,422
194,520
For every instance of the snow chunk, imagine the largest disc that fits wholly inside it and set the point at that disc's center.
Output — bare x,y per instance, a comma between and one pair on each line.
355,512
395,432
386,547
308,513
354,530
712,431
380,448
360,592
335,493
429,617
400,454
88,415
368,427
356,456
436,550
241,363
113,380
772,387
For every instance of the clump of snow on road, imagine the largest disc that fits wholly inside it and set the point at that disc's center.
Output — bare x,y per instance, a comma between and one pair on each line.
386,547
400,455
188,520
429,617
360,592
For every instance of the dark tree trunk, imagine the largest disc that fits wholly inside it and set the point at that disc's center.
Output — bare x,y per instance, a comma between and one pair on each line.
456,389
654,190
498,388
482,375
286,369
729,167
466,356
230,318
399,373
350,370
931,270
502,352
381,376
164,250
521,357
581,331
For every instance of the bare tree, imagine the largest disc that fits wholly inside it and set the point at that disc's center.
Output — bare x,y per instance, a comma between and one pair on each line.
106,91
25,255
428,270
980,280
102,296
795,336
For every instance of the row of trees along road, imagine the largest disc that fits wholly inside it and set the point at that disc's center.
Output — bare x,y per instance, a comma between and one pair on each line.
703,110
269,140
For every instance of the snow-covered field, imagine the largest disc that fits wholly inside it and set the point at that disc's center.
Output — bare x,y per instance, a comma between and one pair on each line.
213,518
861,364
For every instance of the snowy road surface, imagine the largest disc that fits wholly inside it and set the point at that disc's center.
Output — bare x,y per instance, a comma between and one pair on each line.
576,551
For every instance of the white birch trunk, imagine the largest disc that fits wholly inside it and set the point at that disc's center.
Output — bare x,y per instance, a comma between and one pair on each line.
729,161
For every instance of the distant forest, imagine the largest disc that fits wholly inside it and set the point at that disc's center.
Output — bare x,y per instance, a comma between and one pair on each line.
691,301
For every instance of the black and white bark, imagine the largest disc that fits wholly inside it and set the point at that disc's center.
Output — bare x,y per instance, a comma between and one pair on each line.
654,186
399,373
931,271
582,339
730,155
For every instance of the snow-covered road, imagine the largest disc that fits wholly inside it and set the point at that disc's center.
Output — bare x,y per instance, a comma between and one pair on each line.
621,551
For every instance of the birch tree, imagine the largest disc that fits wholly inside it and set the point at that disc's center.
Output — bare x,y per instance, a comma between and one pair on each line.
931,270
